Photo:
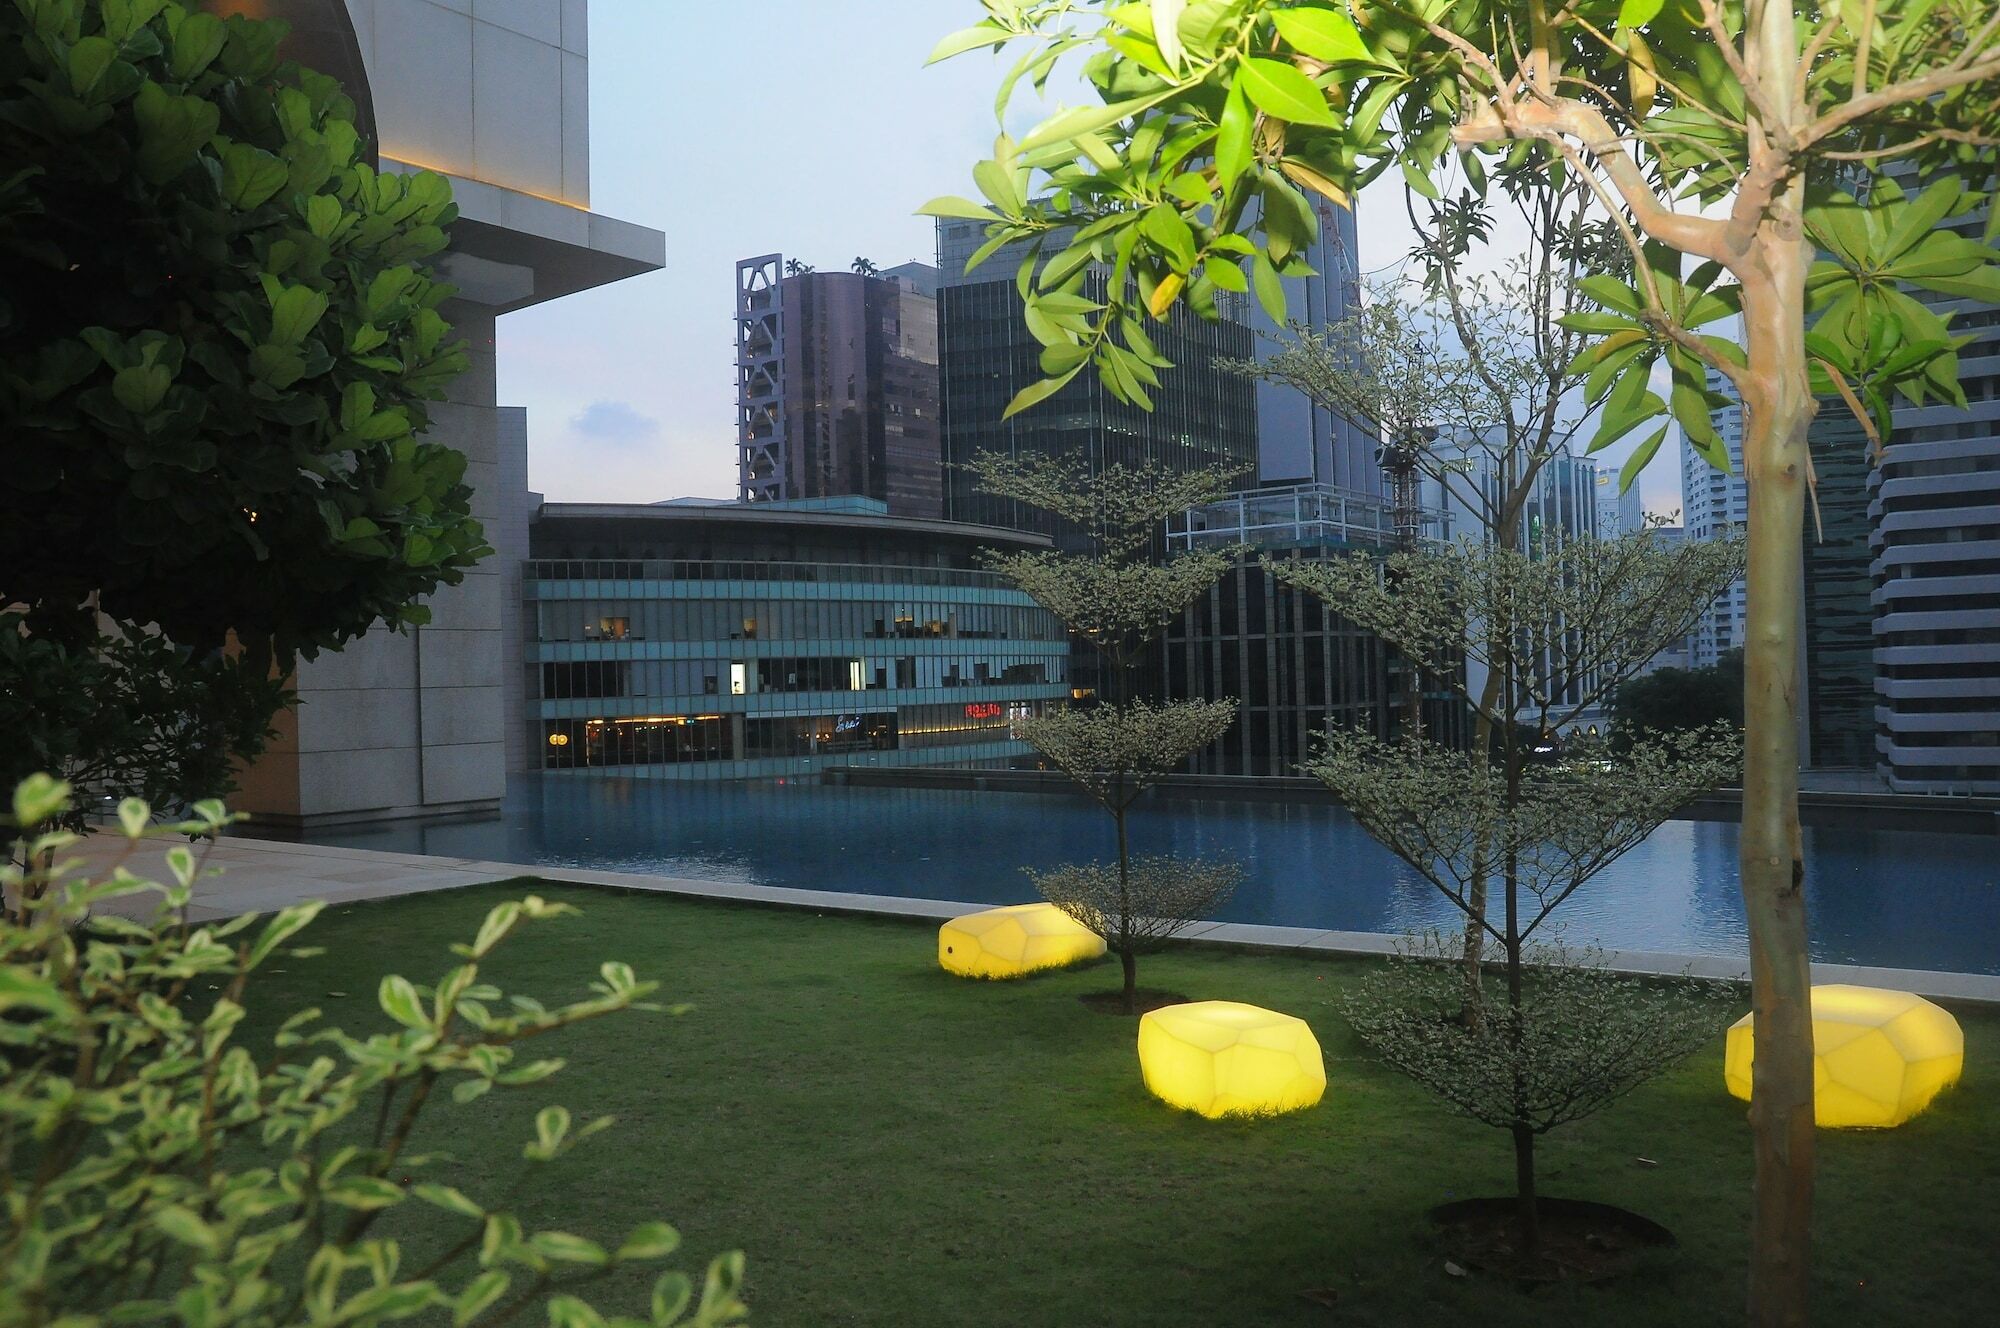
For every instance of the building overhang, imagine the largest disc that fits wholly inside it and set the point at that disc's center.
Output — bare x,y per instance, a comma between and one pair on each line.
510,250
753,514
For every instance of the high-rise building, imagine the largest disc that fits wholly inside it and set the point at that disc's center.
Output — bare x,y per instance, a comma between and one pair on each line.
1839,646
1202,414
1298,440
837,385
1294,665
1936,572
1716,505
497,99
1617,513
1563,506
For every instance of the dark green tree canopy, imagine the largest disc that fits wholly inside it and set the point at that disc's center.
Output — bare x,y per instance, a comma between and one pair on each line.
217,338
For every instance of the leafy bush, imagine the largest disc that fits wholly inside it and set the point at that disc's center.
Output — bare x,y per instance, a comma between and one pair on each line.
218,334
156,1169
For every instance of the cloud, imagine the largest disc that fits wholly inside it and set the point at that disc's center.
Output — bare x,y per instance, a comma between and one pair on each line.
614,422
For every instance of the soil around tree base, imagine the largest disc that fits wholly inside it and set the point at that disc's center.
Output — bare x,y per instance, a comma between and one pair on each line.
1147,998
1581,1241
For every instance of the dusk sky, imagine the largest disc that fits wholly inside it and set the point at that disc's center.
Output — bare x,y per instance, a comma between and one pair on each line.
760,126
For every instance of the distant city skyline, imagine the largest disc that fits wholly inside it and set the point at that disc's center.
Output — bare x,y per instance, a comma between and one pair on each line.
779,126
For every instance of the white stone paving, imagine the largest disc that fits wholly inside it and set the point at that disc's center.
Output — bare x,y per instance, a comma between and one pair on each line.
262,875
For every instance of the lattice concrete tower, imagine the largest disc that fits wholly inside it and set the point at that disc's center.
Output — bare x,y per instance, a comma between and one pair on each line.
760,380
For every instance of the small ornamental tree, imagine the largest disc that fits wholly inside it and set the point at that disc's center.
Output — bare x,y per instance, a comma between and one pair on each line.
1118,598
1508,835
1714,133
218,339
1672,700
157,1168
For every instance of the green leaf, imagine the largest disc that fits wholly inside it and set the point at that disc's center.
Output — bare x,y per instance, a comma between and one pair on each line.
1066,125
1036,393
1269,285
1641,457
650,1240
250,176
179,1224
950,206
18,987
1283,92
88,61
447,1198
401,1003
38,798
672,1293
551,1124
480,1293
134,816
289,923
987,33
1164,226
1232,137
1323,34
363,1192
566,1248
1638,13
197,41
294,313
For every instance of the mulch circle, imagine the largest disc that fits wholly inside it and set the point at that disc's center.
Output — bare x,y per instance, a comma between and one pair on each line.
1581,1241
1113,1002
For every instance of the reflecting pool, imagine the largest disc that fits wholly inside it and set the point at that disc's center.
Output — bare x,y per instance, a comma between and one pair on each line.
1899,899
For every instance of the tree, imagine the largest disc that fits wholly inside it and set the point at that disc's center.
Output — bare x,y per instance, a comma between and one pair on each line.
1118,599
794,268
865,267
158,1167
1711,131
218,337
1675,700
1508,836
1471,381
136,714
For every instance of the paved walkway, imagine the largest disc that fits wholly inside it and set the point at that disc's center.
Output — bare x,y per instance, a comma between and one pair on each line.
256,875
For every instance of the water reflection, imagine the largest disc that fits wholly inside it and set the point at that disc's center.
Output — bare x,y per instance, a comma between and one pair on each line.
1893,898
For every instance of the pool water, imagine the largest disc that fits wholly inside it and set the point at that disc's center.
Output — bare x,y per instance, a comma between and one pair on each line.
1894,898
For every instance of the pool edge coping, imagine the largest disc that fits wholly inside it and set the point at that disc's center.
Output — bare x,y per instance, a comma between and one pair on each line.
452,873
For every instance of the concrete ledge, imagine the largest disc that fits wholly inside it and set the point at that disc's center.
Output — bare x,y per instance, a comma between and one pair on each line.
262,875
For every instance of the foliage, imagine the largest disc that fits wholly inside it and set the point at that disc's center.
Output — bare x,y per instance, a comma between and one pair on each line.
1562,623
1546,828
1676,700
1503,832
1583,1037
128,714
1217,121
218,336
1117,752
156,1168
1137,907
1119,598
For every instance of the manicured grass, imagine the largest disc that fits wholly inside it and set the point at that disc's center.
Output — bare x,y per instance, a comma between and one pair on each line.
892,1146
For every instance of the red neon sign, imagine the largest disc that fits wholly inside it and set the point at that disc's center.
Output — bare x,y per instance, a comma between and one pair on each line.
984,710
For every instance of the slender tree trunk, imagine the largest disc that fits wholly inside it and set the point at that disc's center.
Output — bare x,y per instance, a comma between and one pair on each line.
1524,1134
1126,954
1528,1212
1778,408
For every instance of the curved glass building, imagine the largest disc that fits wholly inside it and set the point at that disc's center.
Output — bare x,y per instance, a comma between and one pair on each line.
713,640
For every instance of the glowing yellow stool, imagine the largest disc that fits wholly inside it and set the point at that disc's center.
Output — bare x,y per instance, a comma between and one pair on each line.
1879,1057
1015,941
1223,1058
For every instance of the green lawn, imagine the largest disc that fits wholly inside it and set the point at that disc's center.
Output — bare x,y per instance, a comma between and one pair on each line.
895,1147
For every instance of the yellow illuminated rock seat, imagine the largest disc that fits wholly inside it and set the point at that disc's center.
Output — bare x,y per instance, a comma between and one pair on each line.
1223,1058
1879,1057
1015,941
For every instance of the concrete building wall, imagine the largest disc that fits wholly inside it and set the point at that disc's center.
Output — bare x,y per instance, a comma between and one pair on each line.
497,90
493,94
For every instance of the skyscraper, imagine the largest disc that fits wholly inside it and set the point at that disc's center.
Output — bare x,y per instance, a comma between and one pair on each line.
1936,571
1839,700
1716,505
1617,513
1202,415
837,385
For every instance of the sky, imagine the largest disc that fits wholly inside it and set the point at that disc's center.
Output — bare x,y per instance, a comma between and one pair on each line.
760,126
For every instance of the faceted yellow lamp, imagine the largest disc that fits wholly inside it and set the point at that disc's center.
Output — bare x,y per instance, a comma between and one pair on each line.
1879,1057
1223,1058
1015,941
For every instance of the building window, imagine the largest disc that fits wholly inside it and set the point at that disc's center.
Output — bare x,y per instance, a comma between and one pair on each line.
739,679
614,629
